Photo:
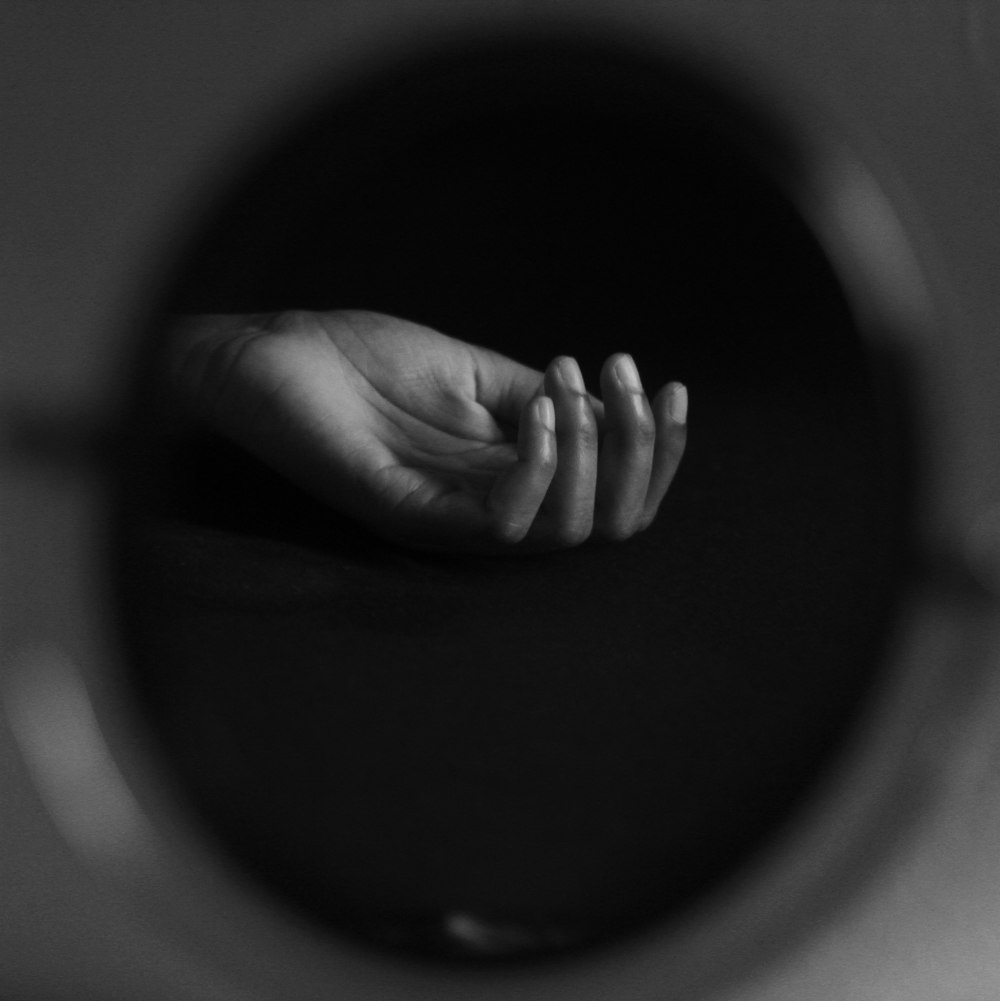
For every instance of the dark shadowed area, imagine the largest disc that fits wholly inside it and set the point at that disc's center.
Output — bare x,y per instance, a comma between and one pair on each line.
558,747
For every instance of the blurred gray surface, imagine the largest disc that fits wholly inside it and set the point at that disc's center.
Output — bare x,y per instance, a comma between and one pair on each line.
117,123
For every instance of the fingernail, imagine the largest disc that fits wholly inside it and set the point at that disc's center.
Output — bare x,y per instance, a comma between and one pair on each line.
678,405
571,375
547,412
628,374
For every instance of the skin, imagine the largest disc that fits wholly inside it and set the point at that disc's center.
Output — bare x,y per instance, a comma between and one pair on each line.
432,442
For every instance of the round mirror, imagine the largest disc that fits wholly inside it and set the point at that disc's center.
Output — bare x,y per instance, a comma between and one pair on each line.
493,757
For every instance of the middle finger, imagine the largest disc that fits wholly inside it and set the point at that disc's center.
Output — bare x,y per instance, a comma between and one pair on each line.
570,498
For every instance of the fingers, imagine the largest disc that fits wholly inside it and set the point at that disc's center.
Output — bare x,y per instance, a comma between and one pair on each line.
641,449
557,492
569,504
518,493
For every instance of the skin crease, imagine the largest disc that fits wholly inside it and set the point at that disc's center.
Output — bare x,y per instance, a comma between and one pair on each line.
431,442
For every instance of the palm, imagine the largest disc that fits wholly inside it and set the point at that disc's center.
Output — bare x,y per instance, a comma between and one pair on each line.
432,435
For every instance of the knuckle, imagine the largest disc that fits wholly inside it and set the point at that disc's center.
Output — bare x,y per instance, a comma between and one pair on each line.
547,463
586,431
284,320
290,321
644,432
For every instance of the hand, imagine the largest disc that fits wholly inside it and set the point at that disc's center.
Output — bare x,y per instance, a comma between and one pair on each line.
432,442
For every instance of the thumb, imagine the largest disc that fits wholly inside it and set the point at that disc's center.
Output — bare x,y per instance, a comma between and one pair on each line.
504,386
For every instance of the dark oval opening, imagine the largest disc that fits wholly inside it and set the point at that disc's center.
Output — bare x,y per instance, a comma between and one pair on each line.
483,759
